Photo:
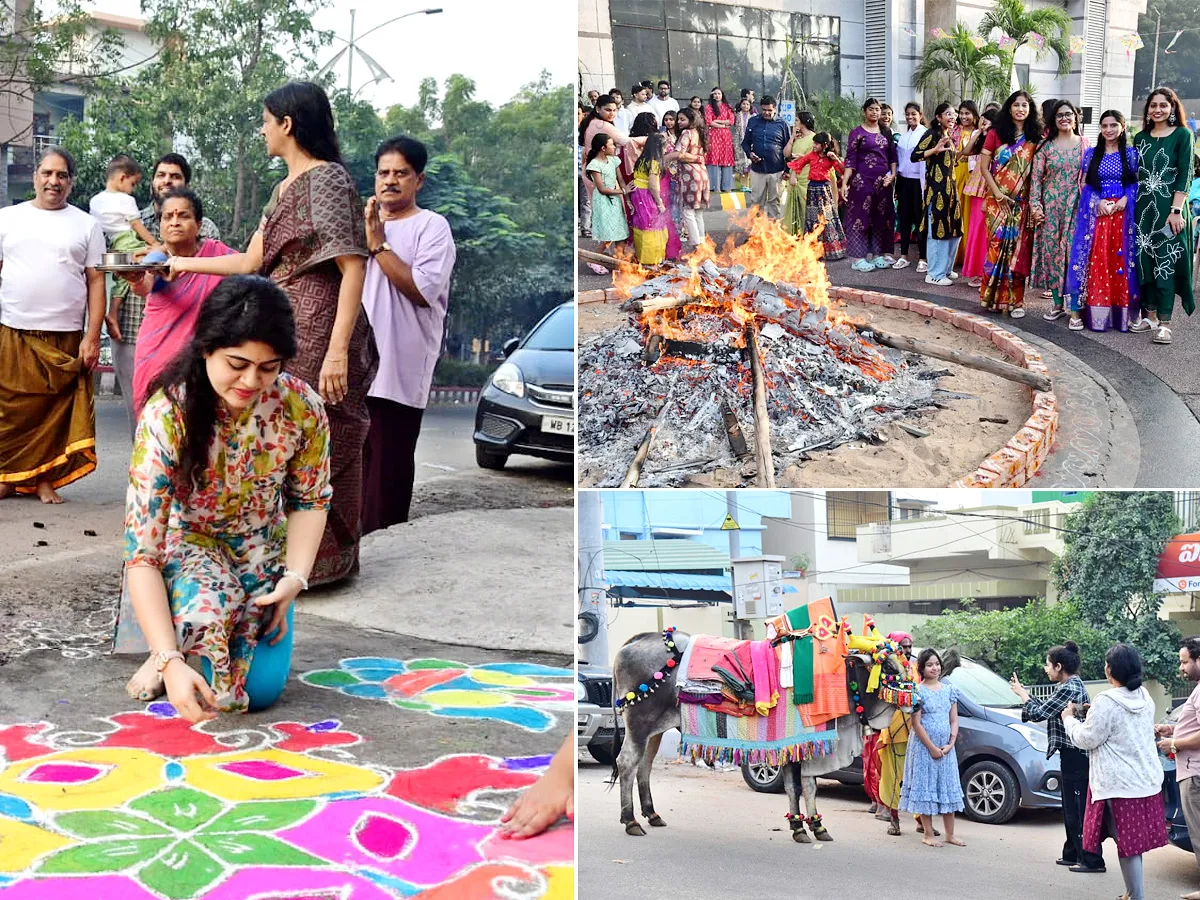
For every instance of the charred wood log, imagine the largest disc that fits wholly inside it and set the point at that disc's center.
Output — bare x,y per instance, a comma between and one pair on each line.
762,424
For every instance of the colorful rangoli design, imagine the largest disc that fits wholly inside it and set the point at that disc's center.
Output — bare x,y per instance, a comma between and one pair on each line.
150,807
520,694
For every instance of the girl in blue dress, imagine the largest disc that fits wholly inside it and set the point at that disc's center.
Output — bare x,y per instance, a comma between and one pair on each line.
931,786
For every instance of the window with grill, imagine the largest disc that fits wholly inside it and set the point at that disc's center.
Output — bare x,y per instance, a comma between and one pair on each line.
846,510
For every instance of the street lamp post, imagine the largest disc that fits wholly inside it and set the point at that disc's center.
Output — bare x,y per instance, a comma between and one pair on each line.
352,47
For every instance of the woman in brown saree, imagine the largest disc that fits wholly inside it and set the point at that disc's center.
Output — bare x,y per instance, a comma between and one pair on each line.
312,244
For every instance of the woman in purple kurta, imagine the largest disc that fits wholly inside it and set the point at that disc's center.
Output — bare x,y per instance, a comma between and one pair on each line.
1102,279
871,162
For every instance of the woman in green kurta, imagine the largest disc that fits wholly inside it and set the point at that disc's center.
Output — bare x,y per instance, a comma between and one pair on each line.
801,144
1164,233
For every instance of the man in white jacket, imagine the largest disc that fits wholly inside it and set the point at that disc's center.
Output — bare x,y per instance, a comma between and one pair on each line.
1125,775
1182,740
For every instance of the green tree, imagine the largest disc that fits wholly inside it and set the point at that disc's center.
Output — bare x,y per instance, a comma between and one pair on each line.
954,64
1107,570
1016,640
219,60
1016,20
1176,67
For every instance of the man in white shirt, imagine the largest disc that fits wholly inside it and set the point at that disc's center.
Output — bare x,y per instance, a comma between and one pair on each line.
624,120
641,102
49,285
664,102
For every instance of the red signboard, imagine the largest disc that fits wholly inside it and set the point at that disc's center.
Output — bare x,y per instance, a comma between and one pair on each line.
1179,565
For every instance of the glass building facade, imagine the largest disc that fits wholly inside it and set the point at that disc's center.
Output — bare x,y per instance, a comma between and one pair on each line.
697,46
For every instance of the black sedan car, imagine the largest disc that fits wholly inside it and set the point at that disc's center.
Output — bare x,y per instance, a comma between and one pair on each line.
528,405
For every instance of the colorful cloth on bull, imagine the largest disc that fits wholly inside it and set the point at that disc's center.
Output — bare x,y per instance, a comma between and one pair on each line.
819,663
778,737
766,676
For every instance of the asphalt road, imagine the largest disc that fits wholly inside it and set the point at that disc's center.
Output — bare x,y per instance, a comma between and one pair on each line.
723,840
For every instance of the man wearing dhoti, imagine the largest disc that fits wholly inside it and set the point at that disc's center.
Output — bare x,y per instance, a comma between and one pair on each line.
49,283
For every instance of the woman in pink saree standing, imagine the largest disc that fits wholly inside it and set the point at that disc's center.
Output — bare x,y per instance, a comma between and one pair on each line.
172,306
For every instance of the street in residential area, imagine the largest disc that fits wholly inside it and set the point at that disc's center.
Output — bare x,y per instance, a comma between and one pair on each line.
733,842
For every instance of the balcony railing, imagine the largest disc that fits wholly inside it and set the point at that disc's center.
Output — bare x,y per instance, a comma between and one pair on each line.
41,142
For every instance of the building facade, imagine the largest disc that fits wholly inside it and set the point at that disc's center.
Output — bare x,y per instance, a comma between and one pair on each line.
859,48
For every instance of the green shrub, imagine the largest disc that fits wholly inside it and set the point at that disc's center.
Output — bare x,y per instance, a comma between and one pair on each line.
456,373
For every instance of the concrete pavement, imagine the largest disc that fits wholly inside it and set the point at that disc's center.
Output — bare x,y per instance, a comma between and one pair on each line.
724,840
424,697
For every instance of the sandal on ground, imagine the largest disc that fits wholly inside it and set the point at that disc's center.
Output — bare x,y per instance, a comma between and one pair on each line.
922,267
1017,313
863,265
1047,295
894,829
975,282
1055,314
1143,325
597,268
901,263
1075,324
1162,336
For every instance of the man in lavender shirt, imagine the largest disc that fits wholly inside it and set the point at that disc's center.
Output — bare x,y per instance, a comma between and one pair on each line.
405,294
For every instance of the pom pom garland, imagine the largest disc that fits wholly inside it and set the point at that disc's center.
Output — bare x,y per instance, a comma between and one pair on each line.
648,687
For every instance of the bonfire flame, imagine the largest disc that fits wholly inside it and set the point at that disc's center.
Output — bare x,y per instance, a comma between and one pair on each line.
718,310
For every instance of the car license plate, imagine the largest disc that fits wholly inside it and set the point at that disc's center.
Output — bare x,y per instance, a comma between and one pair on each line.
555,425
608,721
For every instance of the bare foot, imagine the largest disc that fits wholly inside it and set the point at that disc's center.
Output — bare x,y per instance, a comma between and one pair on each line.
957,842
48,494
929,842
147,683
7,490
1194,895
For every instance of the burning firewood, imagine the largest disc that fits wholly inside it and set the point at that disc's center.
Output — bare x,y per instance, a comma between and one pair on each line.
749,347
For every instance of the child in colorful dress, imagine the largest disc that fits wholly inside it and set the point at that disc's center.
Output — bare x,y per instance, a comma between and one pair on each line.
608,211
822,199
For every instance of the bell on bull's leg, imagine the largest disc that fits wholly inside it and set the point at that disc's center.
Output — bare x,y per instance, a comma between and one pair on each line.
799,835
820,832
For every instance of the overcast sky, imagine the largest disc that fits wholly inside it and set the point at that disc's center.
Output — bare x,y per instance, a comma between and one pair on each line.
502,46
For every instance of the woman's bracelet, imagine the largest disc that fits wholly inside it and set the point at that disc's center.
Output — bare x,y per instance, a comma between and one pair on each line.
292,573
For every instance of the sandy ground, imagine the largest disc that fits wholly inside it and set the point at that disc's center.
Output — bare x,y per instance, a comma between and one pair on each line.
957,442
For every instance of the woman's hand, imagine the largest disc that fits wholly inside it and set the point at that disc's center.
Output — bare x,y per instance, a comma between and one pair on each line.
280,600
374,224
888,179
1018,688
846,191
335,376
183,683
937,753
1001,197
174,267
1037,214
1175,220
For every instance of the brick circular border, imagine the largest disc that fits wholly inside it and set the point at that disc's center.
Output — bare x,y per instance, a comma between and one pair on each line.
1014,464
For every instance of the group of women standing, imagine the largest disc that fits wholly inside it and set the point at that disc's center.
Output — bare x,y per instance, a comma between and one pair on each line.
651,186
1103,232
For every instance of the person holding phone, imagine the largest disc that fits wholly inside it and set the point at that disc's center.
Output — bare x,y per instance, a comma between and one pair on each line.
1062,669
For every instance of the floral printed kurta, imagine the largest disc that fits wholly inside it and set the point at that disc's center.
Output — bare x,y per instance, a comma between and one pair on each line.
1164,261
1057,176
223,545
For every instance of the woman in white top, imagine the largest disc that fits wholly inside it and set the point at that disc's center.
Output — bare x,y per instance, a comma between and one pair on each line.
1125,776
910,187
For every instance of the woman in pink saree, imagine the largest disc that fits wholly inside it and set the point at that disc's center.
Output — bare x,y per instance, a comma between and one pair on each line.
172,306
312,243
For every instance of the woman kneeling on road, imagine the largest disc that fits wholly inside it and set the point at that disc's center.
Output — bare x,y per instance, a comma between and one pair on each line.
228,496
1124,799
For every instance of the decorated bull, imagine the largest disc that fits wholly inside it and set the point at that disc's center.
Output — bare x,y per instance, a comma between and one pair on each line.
798,700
